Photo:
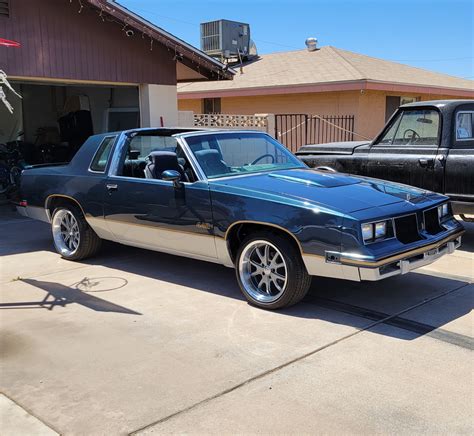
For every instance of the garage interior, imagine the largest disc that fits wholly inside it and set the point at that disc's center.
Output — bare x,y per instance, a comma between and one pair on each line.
52,120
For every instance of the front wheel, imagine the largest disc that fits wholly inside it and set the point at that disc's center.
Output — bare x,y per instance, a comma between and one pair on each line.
73,238
270,271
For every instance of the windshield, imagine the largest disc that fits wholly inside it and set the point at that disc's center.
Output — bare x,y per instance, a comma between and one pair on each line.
231,154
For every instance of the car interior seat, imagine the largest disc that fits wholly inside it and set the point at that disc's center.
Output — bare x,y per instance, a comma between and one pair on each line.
211,162
160,161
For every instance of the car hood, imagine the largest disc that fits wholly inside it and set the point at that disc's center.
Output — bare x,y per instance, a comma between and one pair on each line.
307,187
331,148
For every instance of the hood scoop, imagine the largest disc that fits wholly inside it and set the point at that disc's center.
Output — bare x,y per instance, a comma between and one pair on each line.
317,179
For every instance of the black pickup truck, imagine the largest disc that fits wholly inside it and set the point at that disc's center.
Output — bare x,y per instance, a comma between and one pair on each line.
429,144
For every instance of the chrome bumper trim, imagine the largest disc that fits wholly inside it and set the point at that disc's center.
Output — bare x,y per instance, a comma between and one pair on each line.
398,265
416,251
409,263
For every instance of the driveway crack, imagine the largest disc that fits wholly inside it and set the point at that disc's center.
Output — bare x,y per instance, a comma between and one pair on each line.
292,361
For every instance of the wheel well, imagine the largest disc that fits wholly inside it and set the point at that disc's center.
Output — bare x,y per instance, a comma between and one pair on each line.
55,201
239,232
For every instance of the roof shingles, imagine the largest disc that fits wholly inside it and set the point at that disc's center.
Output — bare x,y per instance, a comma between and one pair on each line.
325,66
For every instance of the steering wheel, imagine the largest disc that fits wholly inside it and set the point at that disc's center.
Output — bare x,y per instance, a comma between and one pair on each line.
262,156
413,136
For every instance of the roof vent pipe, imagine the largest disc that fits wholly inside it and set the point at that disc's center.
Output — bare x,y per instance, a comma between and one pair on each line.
311,44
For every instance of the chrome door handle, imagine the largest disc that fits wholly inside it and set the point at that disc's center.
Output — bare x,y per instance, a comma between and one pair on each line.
112,187
426,162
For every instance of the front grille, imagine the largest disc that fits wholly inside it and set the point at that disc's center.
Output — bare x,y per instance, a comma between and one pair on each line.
406,229
432,225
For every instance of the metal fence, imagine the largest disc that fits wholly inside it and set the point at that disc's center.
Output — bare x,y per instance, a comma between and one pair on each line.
296,130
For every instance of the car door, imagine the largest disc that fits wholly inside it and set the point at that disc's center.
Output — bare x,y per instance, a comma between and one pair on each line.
408,150
155,214
459,176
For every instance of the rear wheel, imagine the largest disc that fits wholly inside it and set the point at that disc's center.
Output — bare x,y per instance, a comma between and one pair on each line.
73,237
270,271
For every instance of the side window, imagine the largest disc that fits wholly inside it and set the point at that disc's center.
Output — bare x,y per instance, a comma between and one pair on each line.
102,155
418,127
465,126
136,161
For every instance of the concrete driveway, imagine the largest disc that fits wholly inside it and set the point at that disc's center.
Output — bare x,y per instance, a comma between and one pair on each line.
137,341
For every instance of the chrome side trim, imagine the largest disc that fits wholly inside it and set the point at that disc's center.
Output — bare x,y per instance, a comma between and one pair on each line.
99,225
34,212
171,251
223,253
174,241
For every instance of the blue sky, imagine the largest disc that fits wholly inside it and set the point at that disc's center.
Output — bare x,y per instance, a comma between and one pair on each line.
433,34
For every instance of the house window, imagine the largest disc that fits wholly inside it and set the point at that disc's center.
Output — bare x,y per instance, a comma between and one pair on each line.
4,8
211,105
392,102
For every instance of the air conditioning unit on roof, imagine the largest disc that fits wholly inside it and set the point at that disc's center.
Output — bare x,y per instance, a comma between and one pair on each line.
225,39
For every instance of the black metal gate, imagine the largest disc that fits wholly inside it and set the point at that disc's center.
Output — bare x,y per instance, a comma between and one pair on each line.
296,130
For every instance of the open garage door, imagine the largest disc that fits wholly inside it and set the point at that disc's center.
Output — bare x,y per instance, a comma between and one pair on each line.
52,120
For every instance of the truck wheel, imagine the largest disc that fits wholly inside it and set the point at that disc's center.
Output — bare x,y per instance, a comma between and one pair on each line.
73,237
270,271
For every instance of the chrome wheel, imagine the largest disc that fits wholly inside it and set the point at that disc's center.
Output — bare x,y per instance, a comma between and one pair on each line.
263,271
66,232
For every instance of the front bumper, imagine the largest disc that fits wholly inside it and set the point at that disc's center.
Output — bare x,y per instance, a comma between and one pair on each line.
357,270
410,262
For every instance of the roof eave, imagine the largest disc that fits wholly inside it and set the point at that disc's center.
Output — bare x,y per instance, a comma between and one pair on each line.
350,85
192,57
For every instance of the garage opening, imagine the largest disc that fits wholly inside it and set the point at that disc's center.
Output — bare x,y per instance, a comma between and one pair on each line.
52,121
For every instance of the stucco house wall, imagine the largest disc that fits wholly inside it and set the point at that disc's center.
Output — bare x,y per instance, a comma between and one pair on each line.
368,107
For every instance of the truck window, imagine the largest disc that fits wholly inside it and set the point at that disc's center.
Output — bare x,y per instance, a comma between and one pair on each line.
413,127
464,126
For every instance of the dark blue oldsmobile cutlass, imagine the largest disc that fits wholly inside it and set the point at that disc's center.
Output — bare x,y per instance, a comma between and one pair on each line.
237,198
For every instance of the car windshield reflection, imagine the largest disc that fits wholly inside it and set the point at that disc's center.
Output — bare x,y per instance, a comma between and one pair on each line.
231,154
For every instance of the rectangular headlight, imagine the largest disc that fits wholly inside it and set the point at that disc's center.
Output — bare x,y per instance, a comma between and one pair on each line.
368,232
380,229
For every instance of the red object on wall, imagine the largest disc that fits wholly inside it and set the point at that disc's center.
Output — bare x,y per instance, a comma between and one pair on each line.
8,43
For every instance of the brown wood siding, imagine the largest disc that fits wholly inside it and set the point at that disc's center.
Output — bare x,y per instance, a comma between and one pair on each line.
58,42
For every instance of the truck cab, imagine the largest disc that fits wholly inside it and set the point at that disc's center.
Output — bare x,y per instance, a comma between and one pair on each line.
426,144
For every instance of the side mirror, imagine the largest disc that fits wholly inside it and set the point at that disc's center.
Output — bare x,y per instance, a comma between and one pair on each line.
172,176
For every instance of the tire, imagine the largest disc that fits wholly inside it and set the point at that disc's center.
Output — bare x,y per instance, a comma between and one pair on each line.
271,279
81,241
